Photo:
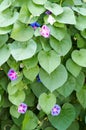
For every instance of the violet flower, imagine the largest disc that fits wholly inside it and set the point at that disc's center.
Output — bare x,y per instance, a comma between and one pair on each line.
35,25
45,31
22,108
55,110
48,12
12,74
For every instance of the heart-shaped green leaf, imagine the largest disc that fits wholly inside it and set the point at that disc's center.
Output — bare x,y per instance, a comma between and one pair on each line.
31,73
21,32
7,19
17,98
54,80
81,95
73,68
49,61
61,47
35,9
21,51
67,16
47,102
65,118
14,111
79,57
54,8
40,2
4,54
58,33
30,121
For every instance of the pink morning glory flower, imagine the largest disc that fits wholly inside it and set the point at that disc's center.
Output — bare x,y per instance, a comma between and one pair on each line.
55,110
12,74
45,31
22,108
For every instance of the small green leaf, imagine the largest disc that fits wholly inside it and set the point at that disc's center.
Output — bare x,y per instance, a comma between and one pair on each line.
30,121
61,47
54,8
81,22
23,50
35,9
80,10
31,73
49,61
14,111
5,4
30,63
7,18
17,98
65,118
21,32
47,102
73,68
67,88
4,54
5,30
79,57
54,80
58,33
40,2
67,16
3,39
81,95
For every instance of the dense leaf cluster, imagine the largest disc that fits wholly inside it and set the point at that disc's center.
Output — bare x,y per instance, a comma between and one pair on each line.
50,70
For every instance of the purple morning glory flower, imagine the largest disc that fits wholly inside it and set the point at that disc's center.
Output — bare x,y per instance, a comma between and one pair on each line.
45,31
35,25
48,12
12,74
22,108
38,78
55,110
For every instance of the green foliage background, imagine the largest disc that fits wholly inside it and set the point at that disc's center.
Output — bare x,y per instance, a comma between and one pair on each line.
60,61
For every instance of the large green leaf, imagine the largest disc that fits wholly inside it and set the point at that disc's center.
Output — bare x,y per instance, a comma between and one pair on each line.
73,68
21,51
31,73
30,121
67,16
58,33
4,54
47,102
54,80
61,47
81,22
54,8
67,88
35,9
79,57
81,95
7,18
21,32
40,2
65,118
49,61
17,98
